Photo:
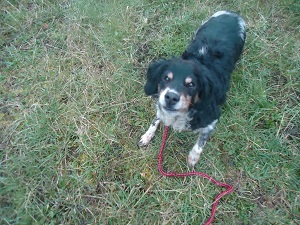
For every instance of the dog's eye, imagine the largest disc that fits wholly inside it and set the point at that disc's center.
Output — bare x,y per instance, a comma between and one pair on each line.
166,78
191,84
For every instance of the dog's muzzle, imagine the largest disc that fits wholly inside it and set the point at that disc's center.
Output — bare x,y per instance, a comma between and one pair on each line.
171,99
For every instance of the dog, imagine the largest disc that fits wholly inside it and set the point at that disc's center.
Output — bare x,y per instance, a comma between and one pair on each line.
189,90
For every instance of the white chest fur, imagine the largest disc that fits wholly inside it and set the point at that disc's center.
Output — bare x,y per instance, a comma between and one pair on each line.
177,120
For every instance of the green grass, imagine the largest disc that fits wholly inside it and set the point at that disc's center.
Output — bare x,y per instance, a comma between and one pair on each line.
72,109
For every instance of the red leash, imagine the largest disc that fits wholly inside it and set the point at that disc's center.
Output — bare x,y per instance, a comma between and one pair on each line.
229,188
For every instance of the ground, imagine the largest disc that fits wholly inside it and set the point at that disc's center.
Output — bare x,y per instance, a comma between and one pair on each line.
72,110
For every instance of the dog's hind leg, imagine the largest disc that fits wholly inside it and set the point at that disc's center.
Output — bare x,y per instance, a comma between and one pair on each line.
205,132
146,138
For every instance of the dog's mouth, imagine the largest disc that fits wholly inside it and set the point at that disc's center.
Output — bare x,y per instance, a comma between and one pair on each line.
169,109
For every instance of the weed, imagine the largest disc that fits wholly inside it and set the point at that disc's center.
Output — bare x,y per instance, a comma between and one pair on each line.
72,109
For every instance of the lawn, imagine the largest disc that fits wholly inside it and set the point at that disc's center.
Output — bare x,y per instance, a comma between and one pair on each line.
72,109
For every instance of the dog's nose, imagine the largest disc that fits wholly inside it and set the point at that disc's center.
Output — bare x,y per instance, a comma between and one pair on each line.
171,98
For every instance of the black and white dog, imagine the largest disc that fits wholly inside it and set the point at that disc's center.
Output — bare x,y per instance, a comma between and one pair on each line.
190,89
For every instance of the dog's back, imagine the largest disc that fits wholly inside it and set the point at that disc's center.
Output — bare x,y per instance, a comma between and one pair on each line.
222,35
218,45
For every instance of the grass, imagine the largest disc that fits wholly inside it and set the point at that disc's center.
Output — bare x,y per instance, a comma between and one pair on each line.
72,109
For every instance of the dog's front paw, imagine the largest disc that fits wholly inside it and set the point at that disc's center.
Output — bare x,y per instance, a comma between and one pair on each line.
145,139
193,158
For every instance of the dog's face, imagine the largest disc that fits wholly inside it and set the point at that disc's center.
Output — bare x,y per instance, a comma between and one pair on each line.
178,83
178,88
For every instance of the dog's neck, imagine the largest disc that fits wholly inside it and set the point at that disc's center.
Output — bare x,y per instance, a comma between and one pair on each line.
177,120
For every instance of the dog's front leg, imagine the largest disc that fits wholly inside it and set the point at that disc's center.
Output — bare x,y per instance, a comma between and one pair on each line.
146,138
194,154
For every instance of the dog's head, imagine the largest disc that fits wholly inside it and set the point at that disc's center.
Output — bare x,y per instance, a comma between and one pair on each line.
178,83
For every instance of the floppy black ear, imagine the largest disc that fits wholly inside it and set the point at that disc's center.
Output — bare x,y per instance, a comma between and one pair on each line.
210,86
154,72
206,83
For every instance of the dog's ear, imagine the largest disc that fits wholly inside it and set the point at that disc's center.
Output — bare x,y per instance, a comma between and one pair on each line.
206,83
154,72
210,86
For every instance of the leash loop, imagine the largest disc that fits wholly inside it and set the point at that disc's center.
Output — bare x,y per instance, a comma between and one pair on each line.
228,187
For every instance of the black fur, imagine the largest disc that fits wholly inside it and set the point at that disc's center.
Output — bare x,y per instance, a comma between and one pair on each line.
153,76
210,58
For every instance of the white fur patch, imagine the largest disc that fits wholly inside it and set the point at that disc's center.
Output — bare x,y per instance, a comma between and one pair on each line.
243,28
210,127
178,120
203,50
194,154
146,138
219,13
